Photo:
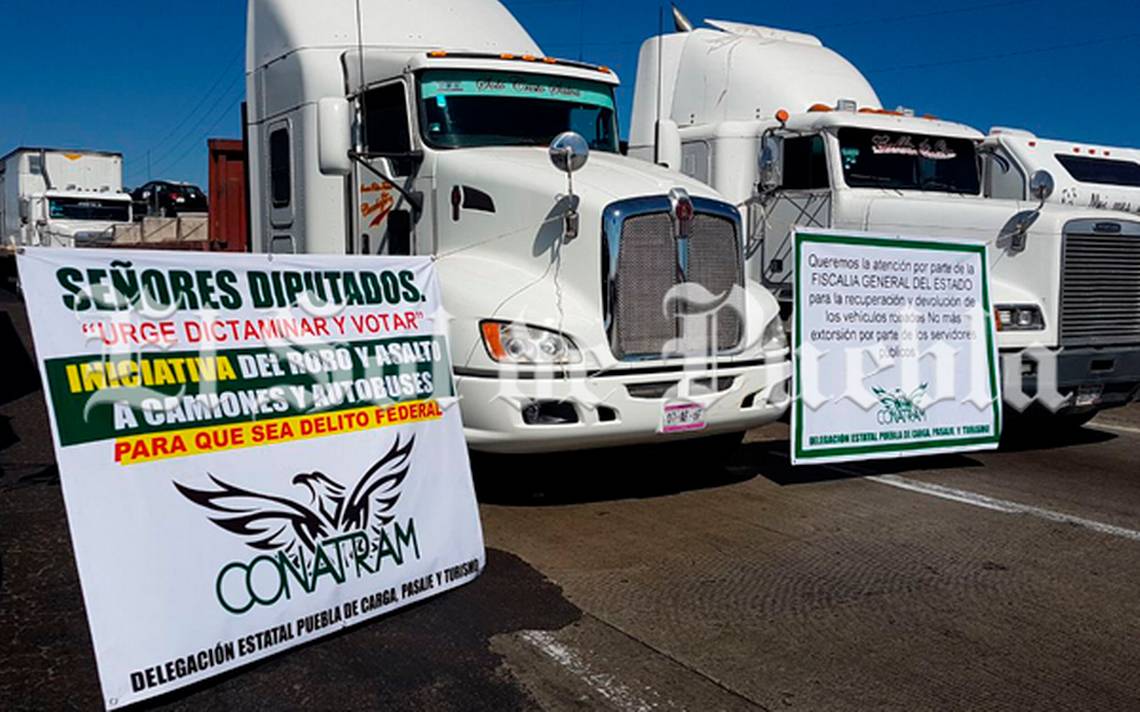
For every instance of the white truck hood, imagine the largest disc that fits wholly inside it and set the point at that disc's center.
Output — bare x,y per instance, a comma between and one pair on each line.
1031,276
609,175
513,264
77,233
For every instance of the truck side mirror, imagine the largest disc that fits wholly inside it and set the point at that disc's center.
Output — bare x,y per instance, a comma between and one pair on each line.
669,144
1041,185
569,152
334,136
25,210
771,163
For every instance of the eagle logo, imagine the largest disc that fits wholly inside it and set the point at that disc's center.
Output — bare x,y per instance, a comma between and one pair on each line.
270,522
898,407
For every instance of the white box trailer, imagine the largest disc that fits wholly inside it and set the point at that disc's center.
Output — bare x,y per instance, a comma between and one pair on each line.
64,198
1087,175
776,121
424,127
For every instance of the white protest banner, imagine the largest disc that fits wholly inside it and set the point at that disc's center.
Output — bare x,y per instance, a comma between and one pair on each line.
895,348
254,451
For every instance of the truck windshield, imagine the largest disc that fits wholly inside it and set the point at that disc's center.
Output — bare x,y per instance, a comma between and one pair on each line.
89,209
905,161
469,108
1104,171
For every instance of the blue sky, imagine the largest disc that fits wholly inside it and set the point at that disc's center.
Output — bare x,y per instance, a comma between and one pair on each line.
141,77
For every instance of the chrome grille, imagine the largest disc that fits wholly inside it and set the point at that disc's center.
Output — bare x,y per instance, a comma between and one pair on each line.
714,263
647,270
648,260
1100,288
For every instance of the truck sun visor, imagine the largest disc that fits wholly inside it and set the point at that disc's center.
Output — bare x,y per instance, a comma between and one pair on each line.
443,84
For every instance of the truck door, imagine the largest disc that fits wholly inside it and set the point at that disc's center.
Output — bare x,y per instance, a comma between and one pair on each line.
382,219
803,199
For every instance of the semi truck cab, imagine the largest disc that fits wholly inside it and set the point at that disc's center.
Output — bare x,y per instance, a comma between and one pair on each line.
61,198
778,122
71,218
594,300
1087,175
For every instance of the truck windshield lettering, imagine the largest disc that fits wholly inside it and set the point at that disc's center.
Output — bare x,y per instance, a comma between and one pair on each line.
905,161
118,211
470,108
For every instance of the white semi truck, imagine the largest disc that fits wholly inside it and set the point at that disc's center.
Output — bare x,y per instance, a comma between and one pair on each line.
779,123
396,127
1087,175
61,198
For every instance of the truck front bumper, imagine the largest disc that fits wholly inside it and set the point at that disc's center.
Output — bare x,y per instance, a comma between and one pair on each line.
1114,371
612,409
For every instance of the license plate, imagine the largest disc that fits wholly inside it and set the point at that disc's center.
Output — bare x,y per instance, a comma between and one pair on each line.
683,418
1089,395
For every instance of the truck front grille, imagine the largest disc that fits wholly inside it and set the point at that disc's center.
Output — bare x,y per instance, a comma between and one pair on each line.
715,263
650,261
1100,286
647,270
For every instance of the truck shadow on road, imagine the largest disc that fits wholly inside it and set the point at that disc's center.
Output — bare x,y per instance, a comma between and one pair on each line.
21,379
647,472
1046,439
435,654
772,461
643,472
20,374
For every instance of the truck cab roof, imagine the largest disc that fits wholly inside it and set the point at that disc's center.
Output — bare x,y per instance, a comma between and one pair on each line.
697,77
395,26
816,121
64,151
882,121
86,194
380,64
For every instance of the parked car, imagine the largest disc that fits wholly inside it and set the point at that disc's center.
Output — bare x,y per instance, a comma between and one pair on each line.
169,199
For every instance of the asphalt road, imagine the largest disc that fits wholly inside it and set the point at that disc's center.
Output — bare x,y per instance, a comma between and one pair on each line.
642,581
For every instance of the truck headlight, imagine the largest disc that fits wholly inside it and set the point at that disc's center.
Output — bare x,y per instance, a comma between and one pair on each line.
775,337
1019,317
507,342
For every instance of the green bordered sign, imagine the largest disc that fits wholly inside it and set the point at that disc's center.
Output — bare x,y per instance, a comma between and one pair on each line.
895,348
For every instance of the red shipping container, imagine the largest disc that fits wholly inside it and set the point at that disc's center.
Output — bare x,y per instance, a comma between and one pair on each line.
229,218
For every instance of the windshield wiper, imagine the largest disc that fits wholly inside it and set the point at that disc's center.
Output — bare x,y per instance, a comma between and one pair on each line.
941,185
881,181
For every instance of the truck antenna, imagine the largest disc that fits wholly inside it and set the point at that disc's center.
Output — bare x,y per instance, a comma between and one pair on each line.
358,139
660,79
680,22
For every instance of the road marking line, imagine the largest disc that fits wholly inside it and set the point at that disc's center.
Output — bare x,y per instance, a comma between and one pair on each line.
1003,506
1117,428
603,683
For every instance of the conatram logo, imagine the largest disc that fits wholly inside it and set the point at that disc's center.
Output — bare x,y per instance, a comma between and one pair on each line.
899,408
339,533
